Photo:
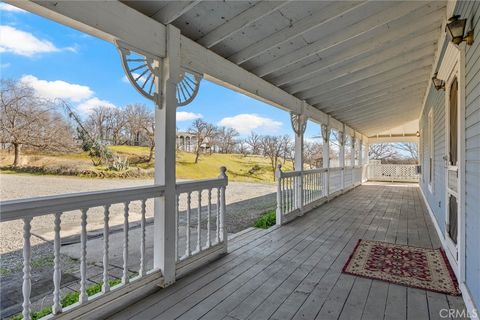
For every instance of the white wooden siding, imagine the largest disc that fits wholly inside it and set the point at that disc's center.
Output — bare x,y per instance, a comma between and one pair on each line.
435,198
436,100
471,10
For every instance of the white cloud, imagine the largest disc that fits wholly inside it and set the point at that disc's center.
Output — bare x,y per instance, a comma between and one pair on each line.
187,116
87,106
23,43
5,65
10,8
58,89
246,123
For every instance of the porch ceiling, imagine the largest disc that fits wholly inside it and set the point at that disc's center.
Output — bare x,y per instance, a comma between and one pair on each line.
366,63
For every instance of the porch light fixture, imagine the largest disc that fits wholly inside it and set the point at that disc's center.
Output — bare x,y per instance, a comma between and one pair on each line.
437,83
417,133
456,29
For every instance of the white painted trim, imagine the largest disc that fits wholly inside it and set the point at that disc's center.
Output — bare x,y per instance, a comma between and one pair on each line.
467,298
453,66
469,303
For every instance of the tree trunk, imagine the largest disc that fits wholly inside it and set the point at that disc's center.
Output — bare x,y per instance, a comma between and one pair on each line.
150,155
16,158
197,154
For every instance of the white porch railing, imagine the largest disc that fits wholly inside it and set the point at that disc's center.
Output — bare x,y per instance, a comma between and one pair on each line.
392,172
213,244
301,191
196,245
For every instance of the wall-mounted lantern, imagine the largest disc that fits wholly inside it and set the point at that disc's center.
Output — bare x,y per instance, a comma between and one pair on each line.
437,83
456,30
417,134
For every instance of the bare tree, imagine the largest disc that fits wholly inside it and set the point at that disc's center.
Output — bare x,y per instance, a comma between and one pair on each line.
30,121
410,148
254,141
226,139
99,122
149,128
242,147
203,132
137,117
272,148
382,151
313,152
117,122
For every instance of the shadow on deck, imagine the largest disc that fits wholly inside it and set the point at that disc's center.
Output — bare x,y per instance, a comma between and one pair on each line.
294,272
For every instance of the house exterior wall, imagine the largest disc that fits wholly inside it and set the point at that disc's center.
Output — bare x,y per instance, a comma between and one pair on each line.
434,192
435,196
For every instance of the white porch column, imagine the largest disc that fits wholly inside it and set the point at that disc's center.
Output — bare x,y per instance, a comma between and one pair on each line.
360,151
341,157
352,153
299,124
326,157
165,132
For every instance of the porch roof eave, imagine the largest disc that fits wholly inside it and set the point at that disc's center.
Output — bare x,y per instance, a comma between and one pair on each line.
114,20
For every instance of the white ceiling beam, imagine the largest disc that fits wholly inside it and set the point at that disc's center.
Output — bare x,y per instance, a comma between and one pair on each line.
380,125
174,10
107,20
393,52
392,108
406,91
241,21
418,59
393,139
344,51
295,30
230,75
389,87
371,80
304,88
370,107
344,33
354,88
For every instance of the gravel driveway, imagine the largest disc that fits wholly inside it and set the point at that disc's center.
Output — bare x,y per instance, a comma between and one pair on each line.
14,186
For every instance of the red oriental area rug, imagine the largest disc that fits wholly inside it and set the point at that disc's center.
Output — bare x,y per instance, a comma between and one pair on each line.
406,265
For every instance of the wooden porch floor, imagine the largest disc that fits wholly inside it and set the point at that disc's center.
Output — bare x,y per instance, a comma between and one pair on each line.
294,272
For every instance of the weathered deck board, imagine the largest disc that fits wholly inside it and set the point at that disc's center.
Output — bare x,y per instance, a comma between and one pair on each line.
294,272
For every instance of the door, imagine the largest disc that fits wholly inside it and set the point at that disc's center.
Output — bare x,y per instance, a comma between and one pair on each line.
452,165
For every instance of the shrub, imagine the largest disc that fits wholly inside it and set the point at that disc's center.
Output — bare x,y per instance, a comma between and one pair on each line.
266,220
69,299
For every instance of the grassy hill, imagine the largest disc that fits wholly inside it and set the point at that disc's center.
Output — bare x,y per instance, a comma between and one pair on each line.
240,168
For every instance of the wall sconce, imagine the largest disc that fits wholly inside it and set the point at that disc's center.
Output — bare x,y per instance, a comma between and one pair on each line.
437,83
417,133
456,29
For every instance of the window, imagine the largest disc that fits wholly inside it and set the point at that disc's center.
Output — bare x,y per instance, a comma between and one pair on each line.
453,139
431,150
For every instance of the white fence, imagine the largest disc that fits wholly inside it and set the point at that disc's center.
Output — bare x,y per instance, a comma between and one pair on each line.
392,172
301,191
206,244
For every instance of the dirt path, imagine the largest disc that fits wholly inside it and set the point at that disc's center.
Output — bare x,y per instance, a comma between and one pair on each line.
14,186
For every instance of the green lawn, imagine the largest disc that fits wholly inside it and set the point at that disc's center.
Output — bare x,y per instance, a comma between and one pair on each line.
239,167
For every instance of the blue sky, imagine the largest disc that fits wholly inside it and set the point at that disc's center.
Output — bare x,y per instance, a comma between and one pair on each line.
59,61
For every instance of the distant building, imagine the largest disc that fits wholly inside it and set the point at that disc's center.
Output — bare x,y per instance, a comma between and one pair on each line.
188,142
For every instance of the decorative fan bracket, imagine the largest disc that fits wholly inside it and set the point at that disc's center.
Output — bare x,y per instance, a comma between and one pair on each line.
299,123
143,71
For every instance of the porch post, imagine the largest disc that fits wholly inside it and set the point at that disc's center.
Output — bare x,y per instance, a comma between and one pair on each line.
341,141
326,157
299,123
165,135
352,154
360,151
